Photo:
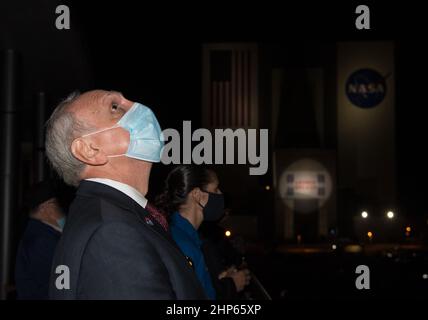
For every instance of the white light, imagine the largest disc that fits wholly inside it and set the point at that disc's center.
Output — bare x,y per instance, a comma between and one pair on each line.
390,214
364,214
305,180
334,247
425,276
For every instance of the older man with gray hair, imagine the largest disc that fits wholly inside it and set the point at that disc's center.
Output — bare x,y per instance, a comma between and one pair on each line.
115,244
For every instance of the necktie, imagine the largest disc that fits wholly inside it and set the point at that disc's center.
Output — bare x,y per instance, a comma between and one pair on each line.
157,215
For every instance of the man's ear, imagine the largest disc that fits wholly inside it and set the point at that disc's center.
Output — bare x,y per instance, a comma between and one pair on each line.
87,152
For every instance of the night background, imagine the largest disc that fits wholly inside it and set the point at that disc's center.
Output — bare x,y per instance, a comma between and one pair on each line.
156,56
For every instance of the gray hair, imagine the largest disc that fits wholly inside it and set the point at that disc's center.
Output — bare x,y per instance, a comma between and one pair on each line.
61,129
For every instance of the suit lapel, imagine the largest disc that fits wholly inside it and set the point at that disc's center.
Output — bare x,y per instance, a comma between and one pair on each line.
145,218
118,198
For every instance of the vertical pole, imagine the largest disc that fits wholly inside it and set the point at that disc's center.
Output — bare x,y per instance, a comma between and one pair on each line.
40,137
8,110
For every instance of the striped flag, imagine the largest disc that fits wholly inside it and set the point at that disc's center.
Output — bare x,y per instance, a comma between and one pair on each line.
230,83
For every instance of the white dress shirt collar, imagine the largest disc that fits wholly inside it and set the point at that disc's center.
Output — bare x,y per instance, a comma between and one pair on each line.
122,187
52,226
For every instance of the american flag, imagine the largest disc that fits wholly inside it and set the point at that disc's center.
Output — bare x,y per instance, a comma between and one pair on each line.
230,95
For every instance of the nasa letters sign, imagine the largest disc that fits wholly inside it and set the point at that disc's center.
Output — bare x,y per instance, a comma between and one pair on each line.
366,88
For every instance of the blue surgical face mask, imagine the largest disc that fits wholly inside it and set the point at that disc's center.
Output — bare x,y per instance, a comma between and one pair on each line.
146,140
61,222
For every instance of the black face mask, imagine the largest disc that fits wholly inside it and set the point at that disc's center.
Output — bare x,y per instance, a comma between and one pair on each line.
214,209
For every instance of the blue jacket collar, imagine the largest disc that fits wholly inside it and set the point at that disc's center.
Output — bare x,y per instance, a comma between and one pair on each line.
184,225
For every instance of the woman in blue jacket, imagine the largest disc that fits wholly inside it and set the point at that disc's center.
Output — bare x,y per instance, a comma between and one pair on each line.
192,195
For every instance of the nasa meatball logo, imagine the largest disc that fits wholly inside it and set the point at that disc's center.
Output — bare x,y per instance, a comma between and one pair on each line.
366,88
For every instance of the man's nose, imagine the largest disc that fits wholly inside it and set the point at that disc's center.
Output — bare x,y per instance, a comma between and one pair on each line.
127,104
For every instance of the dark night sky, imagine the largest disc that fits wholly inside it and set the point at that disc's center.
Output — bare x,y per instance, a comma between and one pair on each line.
154,55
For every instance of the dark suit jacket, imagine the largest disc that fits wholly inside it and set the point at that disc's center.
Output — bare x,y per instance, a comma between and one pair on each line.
113,250
34,260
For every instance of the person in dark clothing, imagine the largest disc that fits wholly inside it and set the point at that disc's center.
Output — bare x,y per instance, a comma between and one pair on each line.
224,251
38,243
221,259
116,245
192,196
